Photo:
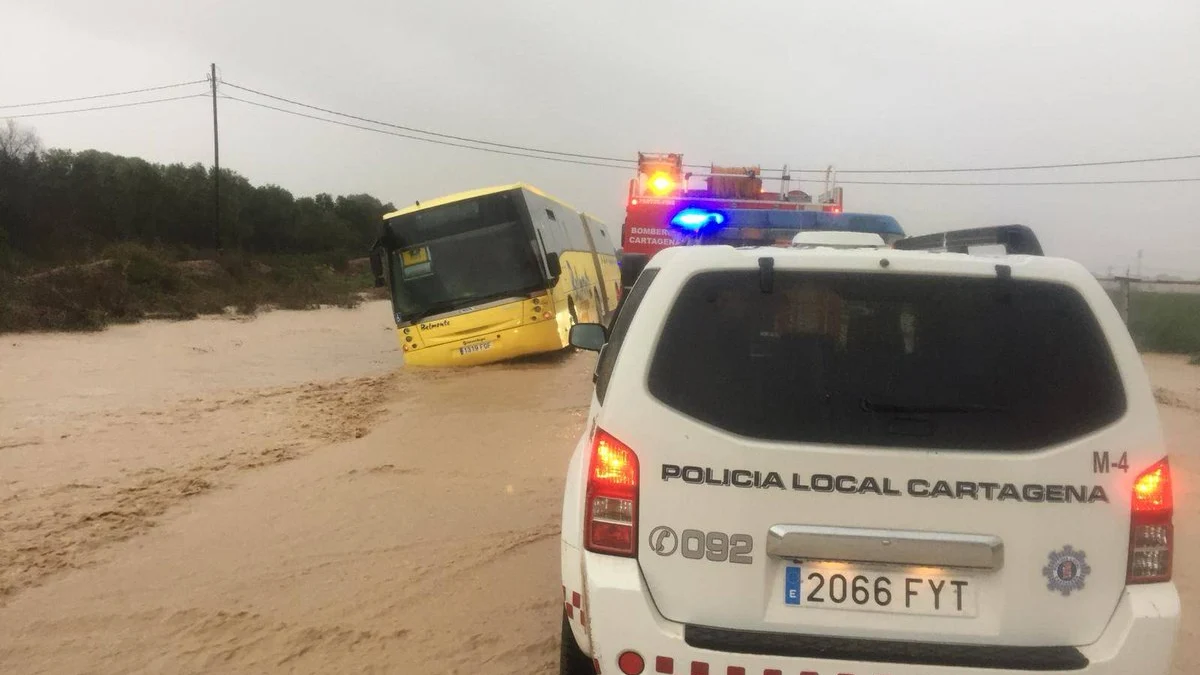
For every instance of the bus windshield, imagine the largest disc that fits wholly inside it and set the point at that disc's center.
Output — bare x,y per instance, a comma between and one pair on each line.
460,254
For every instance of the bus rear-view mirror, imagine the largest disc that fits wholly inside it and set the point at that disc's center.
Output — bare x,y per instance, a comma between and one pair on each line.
553,265
590,336
377,266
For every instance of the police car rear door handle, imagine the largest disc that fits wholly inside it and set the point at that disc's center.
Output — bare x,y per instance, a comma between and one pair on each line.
899,547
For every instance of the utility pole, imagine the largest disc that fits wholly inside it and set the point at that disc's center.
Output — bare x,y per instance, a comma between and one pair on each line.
1125,292
1123,308
216,161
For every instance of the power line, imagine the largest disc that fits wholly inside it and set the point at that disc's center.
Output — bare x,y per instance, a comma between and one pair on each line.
477,141
626,168
1027,167
601,158
105,107
419,138
1019,183
1002,183
415,130
980,169
88,98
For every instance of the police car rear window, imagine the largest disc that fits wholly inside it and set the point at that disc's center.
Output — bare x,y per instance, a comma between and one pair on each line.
887,360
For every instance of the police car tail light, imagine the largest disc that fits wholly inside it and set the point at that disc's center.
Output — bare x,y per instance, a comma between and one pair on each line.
1151,534
612,493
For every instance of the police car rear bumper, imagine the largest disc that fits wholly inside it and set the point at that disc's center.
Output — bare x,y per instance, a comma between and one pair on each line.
1140,637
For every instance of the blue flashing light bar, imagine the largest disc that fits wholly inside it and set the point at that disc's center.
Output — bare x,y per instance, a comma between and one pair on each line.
694,220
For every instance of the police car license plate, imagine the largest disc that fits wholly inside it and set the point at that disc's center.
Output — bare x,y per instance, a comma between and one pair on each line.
894,590
476,347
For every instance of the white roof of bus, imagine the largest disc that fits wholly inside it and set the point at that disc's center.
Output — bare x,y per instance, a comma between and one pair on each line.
471,194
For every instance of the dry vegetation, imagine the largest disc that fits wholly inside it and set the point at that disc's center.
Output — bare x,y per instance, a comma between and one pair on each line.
131,282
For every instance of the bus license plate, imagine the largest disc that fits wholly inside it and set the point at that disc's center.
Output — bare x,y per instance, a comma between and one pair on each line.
477,347
843,586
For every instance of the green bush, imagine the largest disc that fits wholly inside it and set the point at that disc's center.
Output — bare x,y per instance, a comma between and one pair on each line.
1165,322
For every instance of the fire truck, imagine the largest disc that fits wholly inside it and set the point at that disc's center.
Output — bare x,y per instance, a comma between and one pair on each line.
669,204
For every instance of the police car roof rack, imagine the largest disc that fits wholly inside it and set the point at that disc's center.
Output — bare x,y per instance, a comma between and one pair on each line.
1016,240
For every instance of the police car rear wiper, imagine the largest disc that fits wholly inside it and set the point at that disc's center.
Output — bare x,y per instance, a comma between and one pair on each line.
882,407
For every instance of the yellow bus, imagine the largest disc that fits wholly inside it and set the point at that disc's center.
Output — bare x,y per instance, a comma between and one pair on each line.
491,274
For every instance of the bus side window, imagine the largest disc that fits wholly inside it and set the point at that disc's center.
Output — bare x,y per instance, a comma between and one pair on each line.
556,234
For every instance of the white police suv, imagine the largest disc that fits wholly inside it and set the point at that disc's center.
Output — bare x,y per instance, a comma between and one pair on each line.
815,461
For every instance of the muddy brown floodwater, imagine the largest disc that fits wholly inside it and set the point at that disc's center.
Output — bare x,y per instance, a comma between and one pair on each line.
278,495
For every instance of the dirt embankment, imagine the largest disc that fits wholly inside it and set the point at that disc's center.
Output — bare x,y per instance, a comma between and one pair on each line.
133,283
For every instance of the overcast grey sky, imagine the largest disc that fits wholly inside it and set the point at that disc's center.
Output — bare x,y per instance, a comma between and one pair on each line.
851,83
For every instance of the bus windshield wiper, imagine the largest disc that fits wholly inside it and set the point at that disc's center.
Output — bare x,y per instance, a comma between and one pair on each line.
459,303
870,405
439,307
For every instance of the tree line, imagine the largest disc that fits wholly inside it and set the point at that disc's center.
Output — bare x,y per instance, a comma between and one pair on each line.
59,206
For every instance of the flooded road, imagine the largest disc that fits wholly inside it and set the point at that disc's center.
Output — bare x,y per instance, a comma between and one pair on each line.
278,495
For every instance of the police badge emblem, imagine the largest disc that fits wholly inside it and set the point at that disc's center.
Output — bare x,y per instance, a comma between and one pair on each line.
1066,570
